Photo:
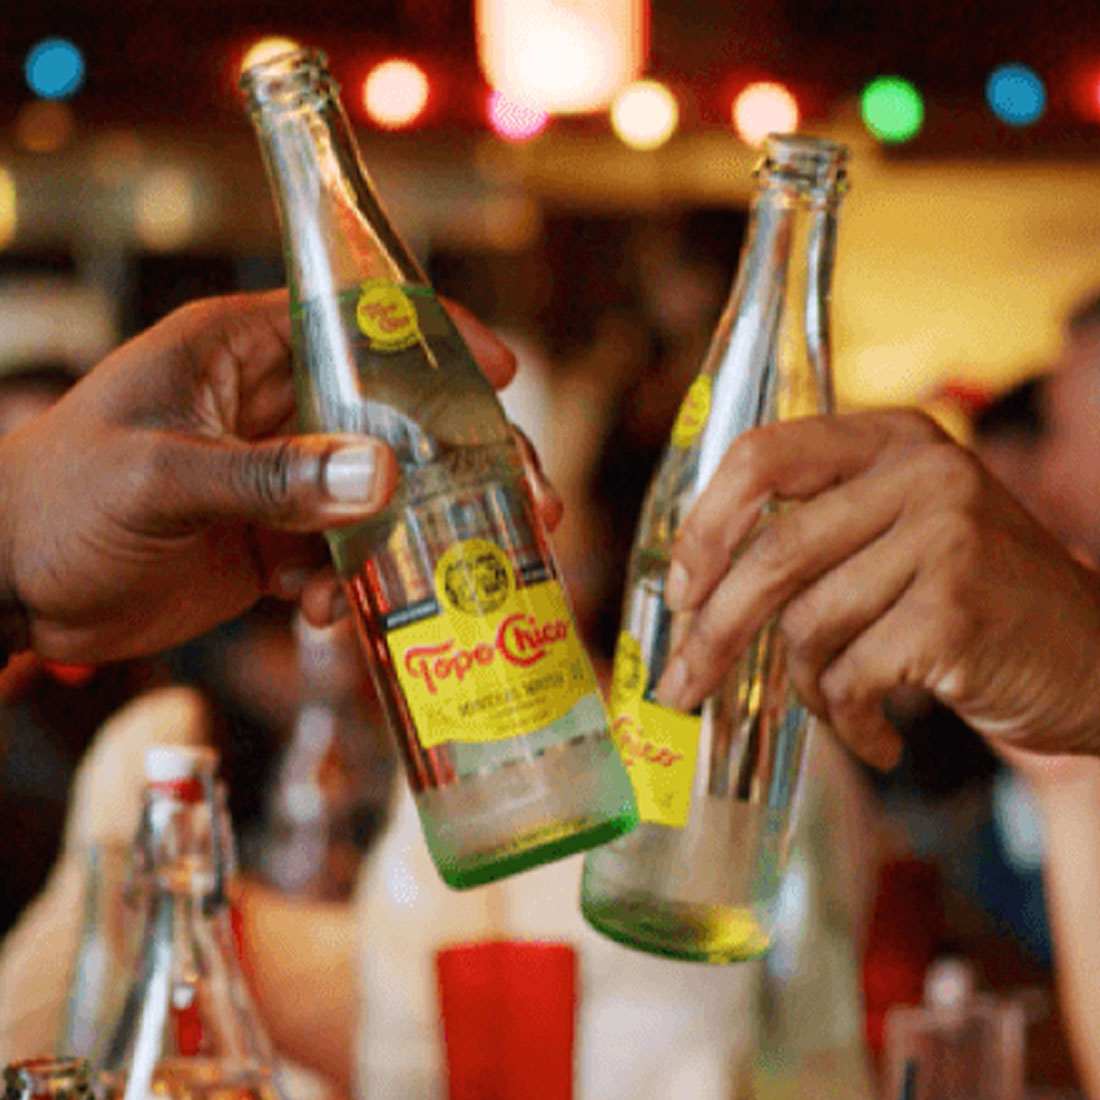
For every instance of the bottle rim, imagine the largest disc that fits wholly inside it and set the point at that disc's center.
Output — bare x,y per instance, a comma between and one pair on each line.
816,163
288,79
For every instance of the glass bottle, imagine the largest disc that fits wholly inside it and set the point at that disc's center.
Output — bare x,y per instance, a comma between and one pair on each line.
61,1078
105,951
699,878
471,641
187,1027
334,783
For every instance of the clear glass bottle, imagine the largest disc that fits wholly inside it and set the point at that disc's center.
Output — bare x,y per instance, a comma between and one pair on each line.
187,1028
472,644
699,878
61,1078
334,782
105,952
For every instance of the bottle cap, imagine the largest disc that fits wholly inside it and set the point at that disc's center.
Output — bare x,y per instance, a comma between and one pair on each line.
175,763
949,984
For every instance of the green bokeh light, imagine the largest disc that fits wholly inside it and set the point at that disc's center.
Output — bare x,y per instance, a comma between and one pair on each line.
891,108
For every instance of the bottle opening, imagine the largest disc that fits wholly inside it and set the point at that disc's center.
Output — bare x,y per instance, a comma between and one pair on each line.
288,80
813,162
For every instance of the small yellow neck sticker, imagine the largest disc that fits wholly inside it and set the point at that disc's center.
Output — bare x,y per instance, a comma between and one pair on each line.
693,413
386,317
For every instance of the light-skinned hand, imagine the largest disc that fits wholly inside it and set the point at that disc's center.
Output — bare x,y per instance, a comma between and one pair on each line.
904,563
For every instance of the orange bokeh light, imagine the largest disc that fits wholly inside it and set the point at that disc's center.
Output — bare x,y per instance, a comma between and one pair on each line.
764,108
395,93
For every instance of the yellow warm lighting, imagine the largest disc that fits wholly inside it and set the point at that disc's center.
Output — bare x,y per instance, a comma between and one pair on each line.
165,214
267,48
764,108
395,93
7,207
561,56
645,114
44,125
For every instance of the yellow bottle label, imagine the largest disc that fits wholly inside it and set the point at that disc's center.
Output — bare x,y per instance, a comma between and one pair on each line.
659,746
694,410
499,661
385,316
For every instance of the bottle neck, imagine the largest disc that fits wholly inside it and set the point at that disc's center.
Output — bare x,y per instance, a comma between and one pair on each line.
185,842
770,357
340,234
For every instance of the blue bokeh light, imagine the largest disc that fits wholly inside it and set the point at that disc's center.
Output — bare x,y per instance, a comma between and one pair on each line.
1016,94
55,68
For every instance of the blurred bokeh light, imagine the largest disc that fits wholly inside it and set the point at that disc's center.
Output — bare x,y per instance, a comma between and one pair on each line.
164,209
514,121
764,108
1016,94
8,218
395,93
892,109
54,68
562,56
645,115
44,126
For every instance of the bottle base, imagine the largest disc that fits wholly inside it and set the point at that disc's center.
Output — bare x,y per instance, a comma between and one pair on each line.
690,933
496,823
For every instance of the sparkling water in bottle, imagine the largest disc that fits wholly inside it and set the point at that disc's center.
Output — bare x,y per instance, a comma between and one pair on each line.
472,643
187,1029
698,879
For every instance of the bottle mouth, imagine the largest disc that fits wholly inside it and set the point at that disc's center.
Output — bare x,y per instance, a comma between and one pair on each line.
814,163
288,80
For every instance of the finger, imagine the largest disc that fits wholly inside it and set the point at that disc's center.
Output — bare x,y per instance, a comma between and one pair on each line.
789,461
884,656
496,361
324,600
823,619
791,551
547,502
235,342
296,483
288,562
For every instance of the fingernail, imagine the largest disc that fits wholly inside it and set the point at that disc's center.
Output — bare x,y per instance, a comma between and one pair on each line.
350,474
676,585
670,690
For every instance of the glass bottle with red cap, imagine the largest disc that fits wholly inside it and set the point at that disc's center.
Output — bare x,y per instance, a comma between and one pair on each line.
187,1027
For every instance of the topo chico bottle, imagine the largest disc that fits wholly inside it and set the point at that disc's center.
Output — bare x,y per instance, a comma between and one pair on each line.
698,879
471,641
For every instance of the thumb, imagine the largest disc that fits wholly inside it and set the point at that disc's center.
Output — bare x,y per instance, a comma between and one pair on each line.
295,483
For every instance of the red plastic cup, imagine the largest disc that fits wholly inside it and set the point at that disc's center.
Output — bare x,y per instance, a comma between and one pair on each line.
508,1011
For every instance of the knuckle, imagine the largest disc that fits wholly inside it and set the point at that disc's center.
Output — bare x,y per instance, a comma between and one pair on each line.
839,685
955,537
776,550
267,478
801,625
748,457
953,470
915,425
